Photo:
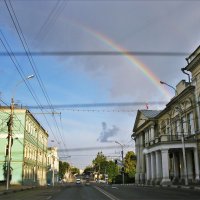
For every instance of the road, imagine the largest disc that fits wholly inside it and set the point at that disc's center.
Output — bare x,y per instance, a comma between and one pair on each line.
104,192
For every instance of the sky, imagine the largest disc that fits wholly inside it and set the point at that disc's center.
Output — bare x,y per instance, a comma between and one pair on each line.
96,26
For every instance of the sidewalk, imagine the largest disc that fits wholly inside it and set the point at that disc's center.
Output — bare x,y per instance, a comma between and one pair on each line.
13,188
197,187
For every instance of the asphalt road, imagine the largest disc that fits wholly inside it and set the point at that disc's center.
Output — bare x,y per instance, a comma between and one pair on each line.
104,192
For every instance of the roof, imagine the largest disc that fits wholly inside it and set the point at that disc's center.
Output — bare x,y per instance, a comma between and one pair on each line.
150,113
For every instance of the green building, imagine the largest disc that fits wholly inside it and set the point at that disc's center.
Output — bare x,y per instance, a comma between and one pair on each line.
28,150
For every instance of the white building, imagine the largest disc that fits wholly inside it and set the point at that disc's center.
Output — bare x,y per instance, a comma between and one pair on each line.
163,156
53,166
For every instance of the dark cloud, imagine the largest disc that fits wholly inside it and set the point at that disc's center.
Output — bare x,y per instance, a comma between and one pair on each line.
107,133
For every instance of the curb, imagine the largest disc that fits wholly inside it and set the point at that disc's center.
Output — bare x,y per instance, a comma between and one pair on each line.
163,186
4,192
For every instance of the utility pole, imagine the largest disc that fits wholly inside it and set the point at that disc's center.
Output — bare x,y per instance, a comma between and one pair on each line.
10,133
122,153
9,146
53,171
182,134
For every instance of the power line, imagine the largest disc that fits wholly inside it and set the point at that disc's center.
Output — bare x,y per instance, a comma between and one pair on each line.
21,73
32,63
92,148
99,53
111,104
51,19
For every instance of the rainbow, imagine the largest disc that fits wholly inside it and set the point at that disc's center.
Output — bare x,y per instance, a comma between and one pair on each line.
131,59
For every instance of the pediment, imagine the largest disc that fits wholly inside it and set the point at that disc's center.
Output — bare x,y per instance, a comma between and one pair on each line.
140,120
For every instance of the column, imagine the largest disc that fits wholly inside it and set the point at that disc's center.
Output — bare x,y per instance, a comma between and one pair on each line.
189,165
158,167
148,168
152,134
137,178
153,168
165,167
196,163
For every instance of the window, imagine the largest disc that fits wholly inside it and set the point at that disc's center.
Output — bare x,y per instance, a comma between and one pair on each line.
190,124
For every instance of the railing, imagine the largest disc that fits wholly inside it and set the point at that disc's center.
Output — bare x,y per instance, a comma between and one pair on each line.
167,138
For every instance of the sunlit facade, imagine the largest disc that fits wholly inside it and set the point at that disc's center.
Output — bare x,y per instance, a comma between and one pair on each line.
28,151
52,165
163,157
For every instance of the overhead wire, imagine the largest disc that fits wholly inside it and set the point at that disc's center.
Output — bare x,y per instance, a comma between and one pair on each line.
51,19
19,70
100,53
32,63
34,67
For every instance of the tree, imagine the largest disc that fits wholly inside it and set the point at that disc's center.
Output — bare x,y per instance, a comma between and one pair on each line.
112,170
100,163
88,170
102,166
63,167
130,164
74,170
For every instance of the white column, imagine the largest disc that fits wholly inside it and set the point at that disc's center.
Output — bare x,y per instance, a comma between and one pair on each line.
189,165
165,167
158,166
148,168
152,134
153,167
138,160
196,163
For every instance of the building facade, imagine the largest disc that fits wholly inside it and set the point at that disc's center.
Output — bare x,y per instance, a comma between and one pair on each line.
52,166
28,148
168,141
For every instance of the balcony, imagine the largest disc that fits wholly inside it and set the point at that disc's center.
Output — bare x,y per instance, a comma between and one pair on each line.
168,139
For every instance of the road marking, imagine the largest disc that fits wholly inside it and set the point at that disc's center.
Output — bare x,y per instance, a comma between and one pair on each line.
110,196
114,187
49,197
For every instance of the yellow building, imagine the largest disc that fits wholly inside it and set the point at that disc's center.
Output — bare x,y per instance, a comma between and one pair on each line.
167,141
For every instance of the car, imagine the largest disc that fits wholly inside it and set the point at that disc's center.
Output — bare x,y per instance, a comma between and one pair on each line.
78,181
87,182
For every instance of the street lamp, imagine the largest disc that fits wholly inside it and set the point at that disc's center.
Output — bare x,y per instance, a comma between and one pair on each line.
122,153
182,135
163,83
10,131
183,145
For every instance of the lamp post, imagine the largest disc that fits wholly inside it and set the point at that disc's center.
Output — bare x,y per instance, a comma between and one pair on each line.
163,83
10,132
182,135
183,146
122,153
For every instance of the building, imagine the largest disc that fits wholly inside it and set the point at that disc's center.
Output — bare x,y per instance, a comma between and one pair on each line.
52,166
28,148
168,141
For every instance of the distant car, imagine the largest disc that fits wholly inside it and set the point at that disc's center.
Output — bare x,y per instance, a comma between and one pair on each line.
102,181
78,181
87,182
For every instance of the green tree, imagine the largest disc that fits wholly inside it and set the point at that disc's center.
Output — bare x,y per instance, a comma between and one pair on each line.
102,166
130,164
112,170
74,170
99,163
63,167
88,170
